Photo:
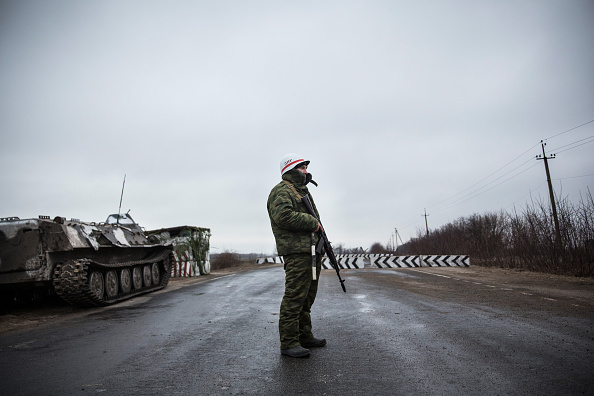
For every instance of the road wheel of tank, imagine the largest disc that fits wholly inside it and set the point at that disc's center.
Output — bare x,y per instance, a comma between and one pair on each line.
137,278
146,275
125,280
111,283
156,274
96,284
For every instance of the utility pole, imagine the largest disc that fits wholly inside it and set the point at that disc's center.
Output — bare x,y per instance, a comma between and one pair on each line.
399,237
551,194
426,226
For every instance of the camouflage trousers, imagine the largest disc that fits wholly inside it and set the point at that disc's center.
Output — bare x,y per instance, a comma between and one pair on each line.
294,322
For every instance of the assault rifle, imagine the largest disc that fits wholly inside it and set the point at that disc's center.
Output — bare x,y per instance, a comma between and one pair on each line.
323,243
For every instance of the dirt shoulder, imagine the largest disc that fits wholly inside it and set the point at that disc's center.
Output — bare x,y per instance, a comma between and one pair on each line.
41,313
581,289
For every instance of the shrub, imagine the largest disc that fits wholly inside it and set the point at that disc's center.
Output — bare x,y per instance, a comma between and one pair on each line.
226,259
525,240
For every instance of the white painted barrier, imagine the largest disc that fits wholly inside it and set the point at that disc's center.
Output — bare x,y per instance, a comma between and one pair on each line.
391,261
183,265
358,261
445,261
272,260
347,261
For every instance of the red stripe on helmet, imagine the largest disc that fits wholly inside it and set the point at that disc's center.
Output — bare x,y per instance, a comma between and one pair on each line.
294,162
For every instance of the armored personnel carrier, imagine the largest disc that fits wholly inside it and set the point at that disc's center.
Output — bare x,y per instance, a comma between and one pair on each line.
87,264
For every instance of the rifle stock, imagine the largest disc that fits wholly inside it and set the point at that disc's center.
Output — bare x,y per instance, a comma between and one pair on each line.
324,243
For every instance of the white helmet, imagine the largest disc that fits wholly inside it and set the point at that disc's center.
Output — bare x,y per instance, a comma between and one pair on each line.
290,161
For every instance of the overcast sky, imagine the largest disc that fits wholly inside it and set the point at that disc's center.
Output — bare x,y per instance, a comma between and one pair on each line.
399,105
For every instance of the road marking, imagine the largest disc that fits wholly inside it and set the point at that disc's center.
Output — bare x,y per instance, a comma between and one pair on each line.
491,286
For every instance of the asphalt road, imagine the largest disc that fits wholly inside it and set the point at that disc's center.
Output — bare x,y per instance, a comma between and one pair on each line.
395,332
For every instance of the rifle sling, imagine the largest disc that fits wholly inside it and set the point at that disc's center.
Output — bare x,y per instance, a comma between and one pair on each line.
293,189
321,244
314,249
299,197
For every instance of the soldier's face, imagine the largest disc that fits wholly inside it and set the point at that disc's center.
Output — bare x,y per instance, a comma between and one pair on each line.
302,169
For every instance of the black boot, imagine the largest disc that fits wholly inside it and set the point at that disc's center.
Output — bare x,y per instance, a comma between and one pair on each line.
296,352
314,342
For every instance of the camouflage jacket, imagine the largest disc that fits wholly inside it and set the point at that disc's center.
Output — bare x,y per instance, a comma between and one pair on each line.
292,225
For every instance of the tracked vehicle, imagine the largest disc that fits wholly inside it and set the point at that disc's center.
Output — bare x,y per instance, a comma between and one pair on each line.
86,264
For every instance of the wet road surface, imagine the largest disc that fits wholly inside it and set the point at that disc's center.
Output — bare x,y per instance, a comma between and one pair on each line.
394,332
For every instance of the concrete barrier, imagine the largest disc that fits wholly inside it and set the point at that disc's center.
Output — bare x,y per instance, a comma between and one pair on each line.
359,261
347,261
183,265
445,261
391,261
272,260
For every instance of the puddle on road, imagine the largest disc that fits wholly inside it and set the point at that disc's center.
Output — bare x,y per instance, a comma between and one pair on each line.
397,273
365,307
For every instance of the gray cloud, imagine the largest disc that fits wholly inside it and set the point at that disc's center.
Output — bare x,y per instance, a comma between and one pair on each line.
399,106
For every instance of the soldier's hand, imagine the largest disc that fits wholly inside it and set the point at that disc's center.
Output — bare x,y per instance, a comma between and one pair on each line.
320,228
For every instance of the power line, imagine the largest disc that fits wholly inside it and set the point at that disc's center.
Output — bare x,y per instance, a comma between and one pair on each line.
463,198
574,177
474,193
570,144
569,130
533,190
482,180
481,193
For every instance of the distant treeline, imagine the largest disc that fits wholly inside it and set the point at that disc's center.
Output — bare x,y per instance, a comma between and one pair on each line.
522,239
229,259
525,239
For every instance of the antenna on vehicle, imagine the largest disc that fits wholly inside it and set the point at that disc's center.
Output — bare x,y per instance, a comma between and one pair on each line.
121,197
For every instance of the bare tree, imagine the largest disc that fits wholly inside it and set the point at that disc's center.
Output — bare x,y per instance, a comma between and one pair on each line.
377,248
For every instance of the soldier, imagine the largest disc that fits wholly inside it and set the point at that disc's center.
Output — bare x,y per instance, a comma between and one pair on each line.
295,232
